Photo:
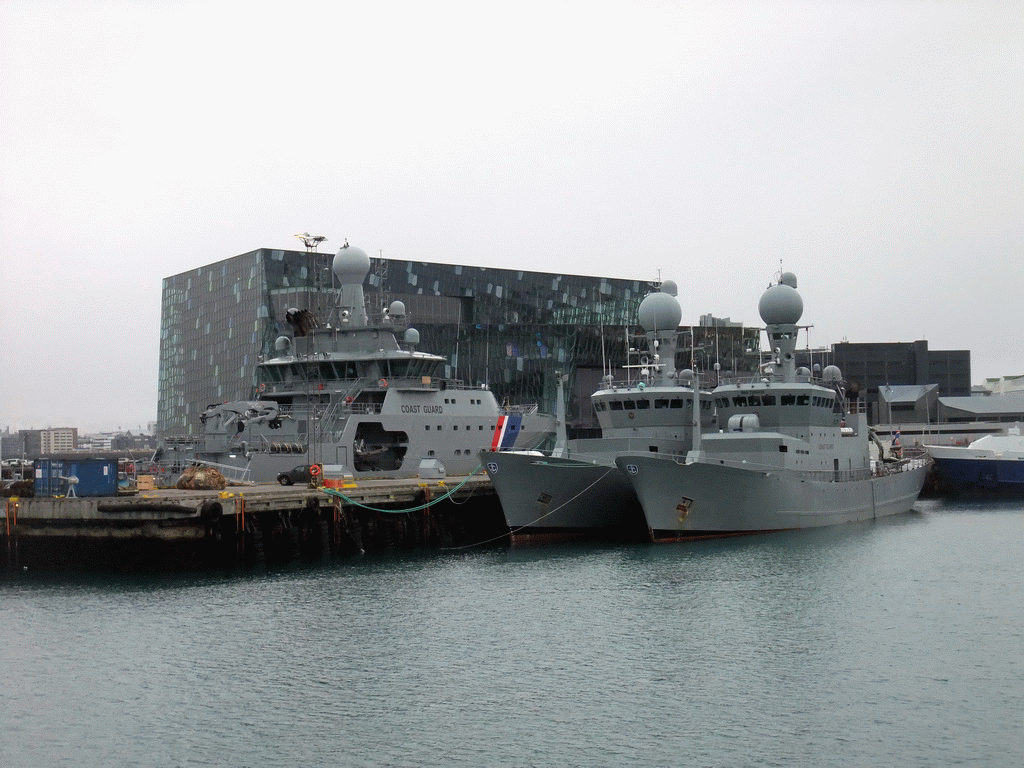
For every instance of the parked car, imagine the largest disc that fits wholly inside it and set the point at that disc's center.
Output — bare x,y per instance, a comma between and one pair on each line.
300,474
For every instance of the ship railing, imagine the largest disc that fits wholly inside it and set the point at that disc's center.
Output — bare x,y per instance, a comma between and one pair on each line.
187,440
230,471
458,384
641,382
527,409
857,406
877,468
365,408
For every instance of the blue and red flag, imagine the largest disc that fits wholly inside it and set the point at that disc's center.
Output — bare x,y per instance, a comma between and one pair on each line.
507,431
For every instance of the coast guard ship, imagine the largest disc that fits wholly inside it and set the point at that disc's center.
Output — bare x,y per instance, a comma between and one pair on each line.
355,398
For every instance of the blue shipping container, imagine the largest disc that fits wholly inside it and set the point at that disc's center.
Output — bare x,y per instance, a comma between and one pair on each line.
96,477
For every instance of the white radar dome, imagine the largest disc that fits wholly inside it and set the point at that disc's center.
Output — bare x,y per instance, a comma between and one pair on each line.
669,287
351,265
660,312
781,305
832,373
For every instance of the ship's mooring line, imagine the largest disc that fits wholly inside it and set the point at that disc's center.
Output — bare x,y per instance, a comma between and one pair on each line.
534,522
354,503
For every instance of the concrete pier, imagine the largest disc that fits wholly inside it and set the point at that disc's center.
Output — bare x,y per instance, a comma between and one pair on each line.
248,524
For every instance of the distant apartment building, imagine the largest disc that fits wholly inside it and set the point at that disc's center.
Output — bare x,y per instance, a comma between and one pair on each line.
12,445
102,441
59,440
1005,385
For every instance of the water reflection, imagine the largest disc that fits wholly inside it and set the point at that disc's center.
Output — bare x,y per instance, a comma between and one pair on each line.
840,646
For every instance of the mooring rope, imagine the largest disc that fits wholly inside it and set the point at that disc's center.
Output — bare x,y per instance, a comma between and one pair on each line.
354,503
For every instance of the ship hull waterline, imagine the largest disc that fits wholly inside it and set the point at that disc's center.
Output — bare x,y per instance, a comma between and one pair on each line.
700,499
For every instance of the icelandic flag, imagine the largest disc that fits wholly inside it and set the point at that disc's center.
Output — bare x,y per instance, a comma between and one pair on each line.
896,439
507,431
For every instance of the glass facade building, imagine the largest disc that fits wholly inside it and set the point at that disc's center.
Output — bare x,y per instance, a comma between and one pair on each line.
508,329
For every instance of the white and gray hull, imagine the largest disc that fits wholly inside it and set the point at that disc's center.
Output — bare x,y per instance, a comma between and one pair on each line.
681,500
562,497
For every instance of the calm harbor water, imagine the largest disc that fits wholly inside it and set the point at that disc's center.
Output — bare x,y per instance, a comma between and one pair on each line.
890,643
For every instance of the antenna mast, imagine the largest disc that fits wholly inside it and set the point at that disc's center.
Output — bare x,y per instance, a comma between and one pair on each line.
320,266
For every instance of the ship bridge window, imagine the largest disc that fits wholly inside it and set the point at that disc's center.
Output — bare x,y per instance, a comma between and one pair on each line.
739,402
677,402
615,405
661,403
768,400
273,374
629,405
345,370
788,399
412,369
803,399
643,404
754,400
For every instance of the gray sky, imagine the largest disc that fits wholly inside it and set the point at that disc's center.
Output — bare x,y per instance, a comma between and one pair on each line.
874,148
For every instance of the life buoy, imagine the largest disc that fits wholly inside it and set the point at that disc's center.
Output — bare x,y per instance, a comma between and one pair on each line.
348,398
314,470
263,387
383,383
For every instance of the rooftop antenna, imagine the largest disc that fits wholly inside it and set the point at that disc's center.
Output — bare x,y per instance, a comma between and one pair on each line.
312,242
320,266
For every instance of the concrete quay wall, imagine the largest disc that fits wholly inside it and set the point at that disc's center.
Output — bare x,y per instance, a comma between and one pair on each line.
247,524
